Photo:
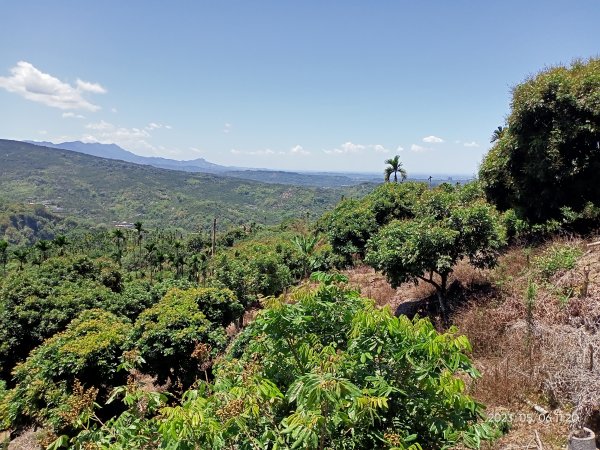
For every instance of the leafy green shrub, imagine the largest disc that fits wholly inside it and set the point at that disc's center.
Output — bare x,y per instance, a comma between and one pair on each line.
68,372
37,302
333,371
257,268
169,333
515,227
134,297
349,226
327,371
556,258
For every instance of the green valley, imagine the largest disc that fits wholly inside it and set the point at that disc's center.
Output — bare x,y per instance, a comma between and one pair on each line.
98,191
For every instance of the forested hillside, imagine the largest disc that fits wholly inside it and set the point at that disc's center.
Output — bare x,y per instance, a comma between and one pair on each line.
25,224
100,191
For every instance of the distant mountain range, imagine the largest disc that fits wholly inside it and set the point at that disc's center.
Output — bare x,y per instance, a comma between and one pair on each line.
113,151
200,165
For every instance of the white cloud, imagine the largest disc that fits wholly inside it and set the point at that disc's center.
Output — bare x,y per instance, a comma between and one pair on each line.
471,144
71,115
86,86
418,148
265,152
433,140
227,128
299,150
346,147
157,126
296,150
135,139
350,147
34,85
114,110
399,149
380,148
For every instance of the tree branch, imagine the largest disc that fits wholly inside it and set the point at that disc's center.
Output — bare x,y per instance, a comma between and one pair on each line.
430,281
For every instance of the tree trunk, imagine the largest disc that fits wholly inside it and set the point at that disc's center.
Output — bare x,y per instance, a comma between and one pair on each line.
441,295
214,237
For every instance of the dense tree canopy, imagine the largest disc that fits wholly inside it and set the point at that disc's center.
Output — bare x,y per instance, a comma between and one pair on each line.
547,157
449,224
168,333
68,372
352,222
328,371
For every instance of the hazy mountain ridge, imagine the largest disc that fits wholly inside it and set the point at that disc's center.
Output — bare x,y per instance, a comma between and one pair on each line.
113,151
296,178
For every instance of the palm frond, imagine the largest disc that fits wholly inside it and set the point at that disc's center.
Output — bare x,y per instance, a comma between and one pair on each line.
387,172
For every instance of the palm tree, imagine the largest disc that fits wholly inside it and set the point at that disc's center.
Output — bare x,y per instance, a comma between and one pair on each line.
43,246
150,257
21,256
394,167
60,242
177,245
140,230
3,255
497,134
178,263
160,260
119,238
306,247
194,266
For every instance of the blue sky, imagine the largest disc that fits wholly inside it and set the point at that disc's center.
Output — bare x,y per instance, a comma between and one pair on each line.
310,85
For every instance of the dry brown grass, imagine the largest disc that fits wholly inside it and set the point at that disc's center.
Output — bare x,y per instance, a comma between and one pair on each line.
374,286
551,359
547,359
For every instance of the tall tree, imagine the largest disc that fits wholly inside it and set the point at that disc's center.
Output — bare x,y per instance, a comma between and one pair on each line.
119,240
3,254
43,246
194,266
544,160
60,242
140,234
394,167
150,248
21,256
178,263
450,225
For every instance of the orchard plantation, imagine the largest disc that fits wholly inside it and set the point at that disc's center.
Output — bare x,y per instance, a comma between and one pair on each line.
161,337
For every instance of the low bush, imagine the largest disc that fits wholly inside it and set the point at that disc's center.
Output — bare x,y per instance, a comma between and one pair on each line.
67,373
